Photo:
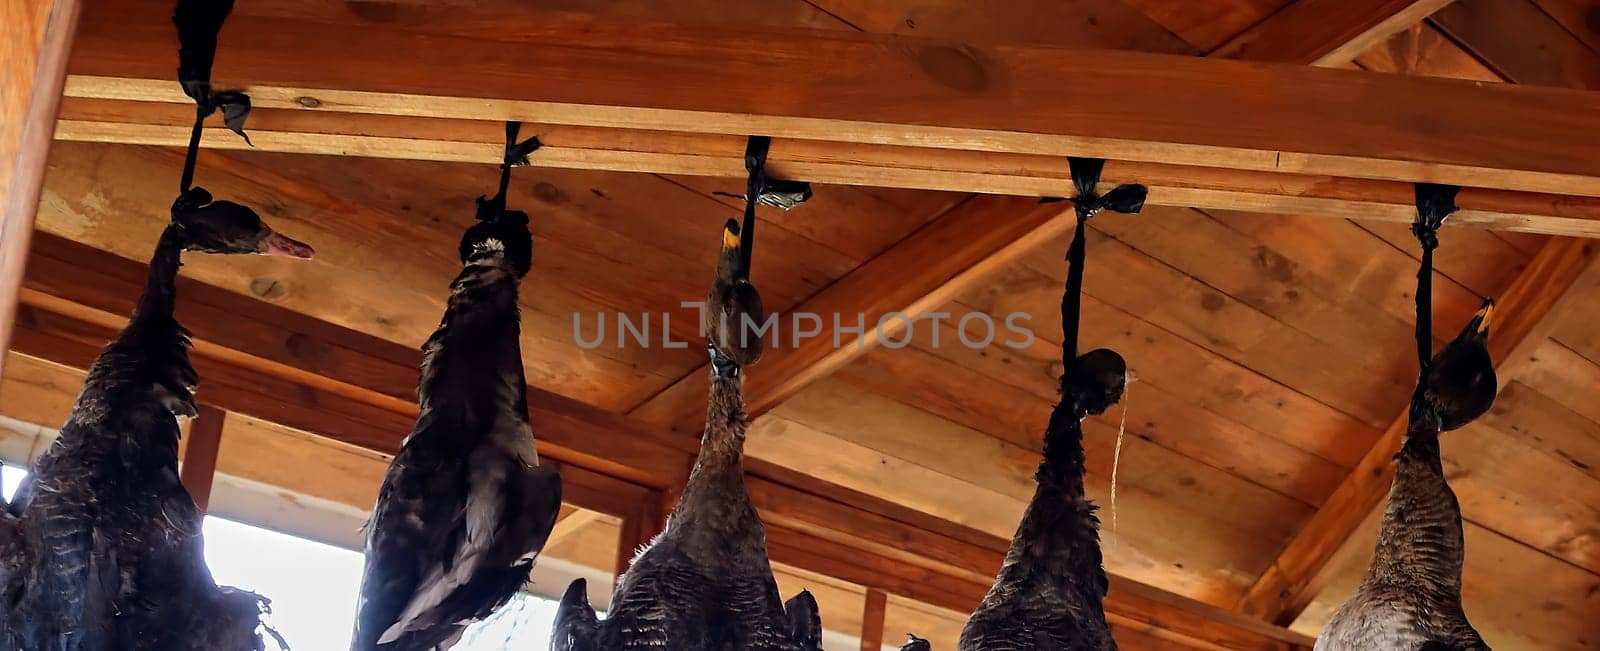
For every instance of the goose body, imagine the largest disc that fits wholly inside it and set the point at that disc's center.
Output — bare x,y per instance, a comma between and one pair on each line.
705,583
1049,591
1410,599
465,507
103,546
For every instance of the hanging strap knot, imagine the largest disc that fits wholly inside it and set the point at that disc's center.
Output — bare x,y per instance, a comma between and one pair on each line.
1435,202
1127,198
516,155
199,22
761,189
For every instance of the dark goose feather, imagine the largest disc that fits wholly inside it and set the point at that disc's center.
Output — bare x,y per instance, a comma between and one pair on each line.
103,544
1411,595
705,583
465,507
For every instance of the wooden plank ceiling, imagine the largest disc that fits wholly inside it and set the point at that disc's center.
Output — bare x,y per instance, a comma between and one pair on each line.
1272,351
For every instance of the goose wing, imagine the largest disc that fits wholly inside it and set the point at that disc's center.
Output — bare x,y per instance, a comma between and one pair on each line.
576,626
805,620
509,510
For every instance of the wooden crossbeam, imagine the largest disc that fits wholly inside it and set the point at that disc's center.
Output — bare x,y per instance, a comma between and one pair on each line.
872,89
269,363
1525,313
34,38
285,130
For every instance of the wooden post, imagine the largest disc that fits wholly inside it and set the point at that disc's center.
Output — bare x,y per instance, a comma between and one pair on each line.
200,455
872,620
638,529
34,38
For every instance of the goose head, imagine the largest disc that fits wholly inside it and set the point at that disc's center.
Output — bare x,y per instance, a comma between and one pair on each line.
914,643
1095,381
733,303
504,234
225,227
1461,379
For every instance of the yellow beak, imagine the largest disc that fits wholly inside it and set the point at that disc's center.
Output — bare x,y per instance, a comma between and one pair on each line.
1484,314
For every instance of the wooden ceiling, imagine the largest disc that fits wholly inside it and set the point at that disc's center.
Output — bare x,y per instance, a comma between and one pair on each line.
1272,351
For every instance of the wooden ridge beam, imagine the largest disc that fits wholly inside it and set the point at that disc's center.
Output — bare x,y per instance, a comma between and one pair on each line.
660,152
874,89
1526,313
263,361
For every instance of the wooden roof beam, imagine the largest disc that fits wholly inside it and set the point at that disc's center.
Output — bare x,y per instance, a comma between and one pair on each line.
1527,312
631,150
872,89
266,362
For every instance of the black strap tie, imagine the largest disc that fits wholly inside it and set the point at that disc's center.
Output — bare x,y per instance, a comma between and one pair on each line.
761,189
1434,203
516,155
1126,199
199,22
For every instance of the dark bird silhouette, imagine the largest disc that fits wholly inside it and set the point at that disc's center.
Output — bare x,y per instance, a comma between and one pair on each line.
733,306
465,507
1049,591
914,643
1461,382
705,583
103,546
1411,595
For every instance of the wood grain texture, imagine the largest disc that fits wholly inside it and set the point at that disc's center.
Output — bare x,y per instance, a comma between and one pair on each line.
1326,33
1314,120
872,620
1301,569
35,36
628,150
918,274
1522,42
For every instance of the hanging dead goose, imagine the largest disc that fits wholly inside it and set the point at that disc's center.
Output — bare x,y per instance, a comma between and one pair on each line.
1049,591
107,551
465,507
1410,598
705,583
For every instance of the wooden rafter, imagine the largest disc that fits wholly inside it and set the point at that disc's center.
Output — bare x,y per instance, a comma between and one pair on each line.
34,39
859,89
1527,311
1327,33
269,363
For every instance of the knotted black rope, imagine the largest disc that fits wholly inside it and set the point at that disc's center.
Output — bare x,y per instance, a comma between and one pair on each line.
1127,199
199,22
1434,203
761,189
491,209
